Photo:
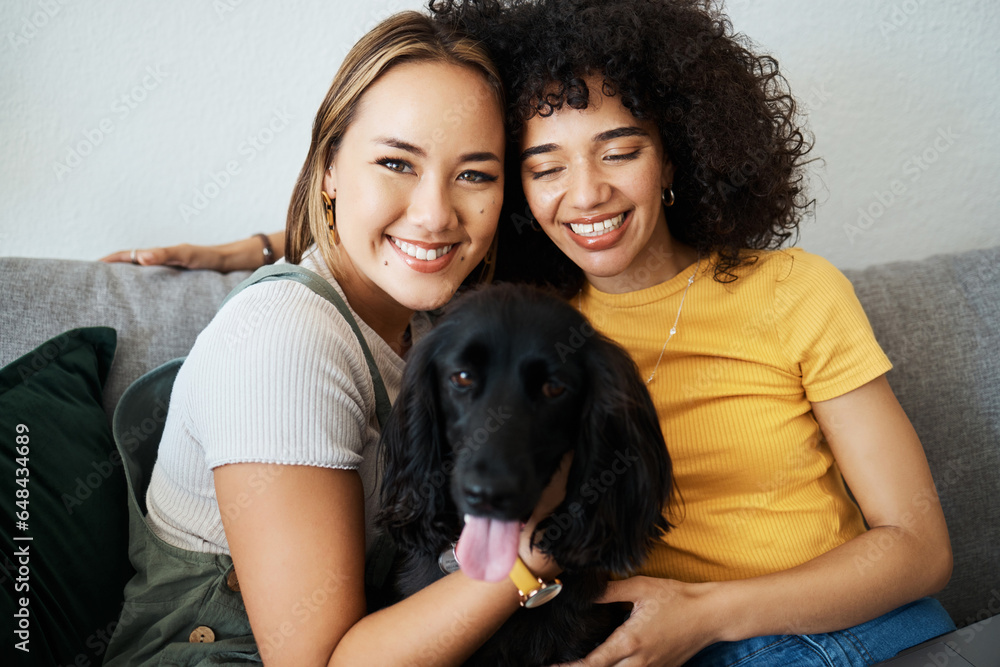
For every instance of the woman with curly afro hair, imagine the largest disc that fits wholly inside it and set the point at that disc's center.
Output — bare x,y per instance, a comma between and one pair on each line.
662,162
662,166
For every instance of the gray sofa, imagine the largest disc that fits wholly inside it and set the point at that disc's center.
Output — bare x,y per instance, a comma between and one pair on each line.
937,319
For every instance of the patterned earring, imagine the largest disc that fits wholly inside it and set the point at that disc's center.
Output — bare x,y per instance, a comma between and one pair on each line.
331,221
668,202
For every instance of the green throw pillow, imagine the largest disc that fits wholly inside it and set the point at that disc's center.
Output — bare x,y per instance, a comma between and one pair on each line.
63,487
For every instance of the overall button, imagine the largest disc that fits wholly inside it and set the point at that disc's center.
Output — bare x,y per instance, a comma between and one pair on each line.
233,582
202,635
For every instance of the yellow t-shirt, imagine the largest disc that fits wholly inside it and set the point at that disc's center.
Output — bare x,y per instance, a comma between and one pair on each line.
759,486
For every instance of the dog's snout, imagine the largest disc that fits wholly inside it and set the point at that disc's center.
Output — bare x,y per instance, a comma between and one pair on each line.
488,499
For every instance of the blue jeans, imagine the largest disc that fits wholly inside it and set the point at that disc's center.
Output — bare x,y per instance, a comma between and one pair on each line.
860,646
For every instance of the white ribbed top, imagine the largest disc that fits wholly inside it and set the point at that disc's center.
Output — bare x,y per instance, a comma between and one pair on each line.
278,376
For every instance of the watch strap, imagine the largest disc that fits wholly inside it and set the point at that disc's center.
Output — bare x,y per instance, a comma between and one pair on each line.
529,586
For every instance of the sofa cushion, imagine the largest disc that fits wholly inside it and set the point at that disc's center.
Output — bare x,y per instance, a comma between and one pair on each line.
157,311
938,320
64,516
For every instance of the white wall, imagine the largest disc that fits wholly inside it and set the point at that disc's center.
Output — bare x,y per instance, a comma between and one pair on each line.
129,123
902,96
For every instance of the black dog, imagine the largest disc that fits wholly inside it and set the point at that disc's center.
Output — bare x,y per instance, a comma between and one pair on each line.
509,381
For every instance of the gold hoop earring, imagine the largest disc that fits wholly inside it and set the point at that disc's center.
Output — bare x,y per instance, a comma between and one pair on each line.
668,202
331,220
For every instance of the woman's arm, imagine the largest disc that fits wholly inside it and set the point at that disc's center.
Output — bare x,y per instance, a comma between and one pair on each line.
297,539
244,255
906,554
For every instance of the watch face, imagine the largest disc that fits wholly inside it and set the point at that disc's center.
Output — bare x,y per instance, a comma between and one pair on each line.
543,595
447,561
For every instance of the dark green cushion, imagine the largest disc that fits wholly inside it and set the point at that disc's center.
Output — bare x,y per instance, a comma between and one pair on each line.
76,511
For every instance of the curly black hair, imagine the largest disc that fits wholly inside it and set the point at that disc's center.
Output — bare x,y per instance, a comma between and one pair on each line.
725,115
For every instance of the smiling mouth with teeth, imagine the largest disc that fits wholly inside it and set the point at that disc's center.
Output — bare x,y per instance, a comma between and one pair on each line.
598,228
422,253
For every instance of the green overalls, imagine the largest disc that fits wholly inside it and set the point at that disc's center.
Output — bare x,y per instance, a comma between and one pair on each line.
184,607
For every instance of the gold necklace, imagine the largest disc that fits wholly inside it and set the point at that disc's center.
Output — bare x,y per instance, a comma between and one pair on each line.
673,329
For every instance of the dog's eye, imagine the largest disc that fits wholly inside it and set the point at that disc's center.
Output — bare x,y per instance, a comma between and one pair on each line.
551,389
461,379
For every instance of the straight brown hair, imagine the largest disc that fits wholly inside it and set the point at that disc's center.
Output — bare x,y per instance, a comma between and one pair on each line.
404,37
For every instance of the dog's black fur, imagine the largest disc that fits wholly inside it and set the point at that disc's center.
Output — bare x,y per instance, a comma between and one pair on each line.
508,381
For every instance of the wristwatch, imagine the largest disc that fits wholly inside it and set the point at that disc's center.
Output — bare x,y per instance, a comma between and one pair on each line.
268,250
534,592
448,561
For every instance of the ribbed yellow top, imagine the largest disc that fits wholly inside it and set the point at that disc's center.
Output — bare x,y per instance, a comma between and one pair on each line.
760,489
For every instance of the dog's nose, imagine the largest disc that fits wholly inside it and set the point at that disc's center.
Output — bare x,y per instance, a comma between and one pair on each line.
487,500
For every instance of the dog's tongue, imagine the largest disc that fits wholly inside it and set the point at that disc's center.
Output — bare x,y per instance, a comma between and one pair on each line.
488,547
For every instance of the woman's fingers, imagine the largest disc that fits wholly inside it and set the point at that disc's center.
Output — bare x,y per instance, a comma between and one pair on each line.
555,492
122,256
174,256
183,255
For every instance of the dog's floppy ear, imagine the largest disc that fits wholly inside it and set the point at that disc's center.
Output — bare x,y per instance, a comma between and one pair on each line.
415,499
620,482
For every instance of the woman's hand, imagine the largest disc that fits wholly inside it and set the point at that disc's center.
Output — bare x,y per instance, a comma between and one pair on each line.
184,255
540,564
244,255
670,622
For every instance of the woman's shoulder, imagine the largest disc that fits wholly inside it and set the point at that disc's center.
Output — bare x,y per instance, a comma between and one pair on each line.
278,323
782,279
787,266
283,309
799,284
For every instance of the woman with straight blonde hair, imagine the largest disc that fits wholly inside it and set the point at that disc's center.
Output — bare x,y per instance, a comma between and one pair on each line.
266,466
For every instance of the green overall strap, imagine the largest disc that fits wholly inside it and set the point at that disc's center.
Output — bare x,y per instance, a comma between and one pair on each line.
321,287
378,564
